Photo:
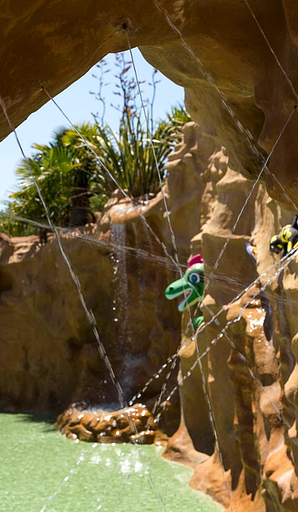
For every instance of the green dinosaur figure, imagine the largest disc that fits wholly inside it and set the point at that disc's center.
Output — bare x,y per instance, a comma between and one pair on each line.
191,286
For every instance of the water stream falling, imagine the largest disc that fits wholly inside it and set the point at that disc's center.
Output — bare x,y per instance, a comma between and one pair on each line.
121,303
138,265
118,237
121,321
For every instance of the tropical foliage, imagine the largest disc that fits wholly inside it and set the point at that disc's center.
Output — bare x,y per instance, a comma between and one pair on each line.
79,169
52,168
134,159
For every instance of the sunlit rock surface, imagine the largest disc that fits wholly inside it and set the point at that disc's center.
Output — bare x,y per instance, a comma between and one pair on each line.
130,425
49,354
50,357
237,63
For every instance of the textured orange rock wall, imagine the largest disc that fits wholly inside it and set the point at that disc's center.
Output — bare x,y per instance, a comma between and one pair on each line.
47,348
239,71
49,356
250,371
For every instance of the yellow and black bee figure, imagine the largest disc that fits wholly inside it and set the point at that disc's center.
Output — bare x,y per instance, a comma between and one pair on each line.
286,240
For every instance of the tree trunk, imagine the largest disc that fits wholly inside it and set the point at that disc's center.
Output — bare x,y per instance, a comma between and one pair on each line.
80,207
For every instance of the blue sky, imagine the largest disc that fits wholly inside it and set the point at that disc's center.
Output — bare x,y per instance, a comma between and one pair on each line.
79,104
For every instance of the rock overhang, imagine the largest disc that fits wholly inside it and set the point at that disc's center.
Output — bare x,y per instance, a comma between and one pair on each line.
236,60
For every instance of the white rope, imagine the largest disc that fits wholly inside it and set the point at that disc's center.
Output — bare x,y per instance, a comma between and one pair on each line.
75,279
282,264
173,239
249,196
271,49
89,313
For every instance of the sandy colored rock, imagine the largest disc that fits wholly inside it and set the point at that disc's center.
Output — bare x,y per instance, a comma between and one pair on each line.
180,448
130,425
49,357
228,84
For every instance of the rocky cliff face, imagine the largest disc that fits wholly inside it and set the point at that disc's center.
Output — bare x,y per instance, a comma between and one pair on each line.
49,355
239,370
238,64
248,367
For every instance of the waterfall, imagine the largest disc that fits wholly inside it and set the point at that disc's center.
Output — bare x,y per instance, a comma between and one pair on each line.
118,237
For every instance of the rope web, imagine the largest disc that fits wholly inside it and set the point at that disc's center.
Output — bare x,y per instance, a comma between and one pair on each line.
89,313
170,262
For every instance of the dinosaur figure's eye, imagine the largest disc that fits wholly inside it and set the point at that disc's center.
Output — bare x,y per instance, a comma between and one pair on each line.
194,278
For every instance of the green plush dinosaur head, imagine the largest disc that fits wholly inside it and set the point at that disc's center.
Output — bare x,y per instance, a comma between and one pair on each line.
190,286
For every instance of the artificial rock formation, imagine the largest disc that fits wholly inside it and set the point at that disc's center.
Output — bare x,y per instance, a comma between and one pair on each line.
237,62
49,354
248,370
130,425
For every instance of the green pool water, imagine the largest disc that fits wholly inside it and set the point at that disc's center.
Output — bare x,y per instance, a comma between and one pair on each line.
40,471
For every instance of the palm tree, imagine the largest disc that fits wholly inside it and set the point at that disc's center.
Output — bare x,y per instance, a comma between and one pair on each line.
52,167
133,159
83,140
78,171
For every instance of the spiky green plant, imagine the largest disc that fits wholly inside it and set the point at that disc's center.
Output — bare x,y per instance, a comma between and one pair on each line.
132,159
52,167
81,167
